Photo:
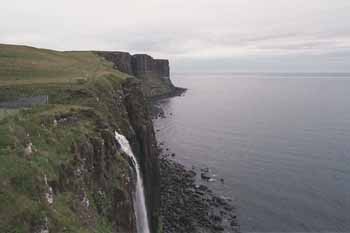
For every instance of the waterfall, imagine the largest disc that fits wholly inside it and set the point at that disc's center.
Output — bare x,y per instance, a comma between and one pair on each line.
139,196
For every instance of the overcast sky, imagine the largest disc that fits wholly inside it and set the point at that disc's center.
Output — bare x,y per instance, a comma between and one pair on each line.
196,35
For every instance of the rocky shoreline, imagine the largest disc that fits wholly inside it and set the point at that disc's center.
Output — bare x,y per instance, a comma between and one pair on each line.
156,109
185,205
189,207
177,91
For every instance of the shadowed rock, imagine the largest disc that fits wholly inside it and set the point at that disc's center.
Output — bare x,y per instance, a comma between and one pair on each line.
154,73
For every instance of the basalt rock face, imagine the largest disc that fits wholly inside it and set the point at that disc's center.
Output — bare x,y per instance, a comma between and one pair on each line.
91,177
144,65
122,61
144,144
101,164
154,73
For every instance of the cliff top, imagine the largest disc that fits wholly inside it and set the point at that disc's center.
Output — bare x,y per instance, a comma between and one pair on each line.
60,167
22,65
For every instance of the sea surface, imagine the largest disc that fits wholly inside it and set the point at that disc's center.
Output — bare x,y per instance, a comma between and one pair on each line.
281,142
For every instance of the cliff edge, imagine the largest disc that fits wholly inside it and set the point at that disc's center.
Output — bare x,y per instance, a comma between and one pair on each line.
61,168
154,73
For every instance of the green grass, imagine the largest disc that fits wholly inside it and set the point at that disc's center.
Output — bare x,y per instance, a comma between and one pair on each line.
68,78
79,84
22,177
7,112
22,65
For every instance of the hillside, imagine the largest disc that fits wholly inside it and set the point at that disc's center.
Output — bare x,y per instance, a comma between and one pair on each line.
61,168
26,65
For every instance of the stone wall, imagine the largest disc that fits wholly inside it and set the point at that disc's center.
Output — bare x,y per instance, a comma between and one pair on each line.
26,102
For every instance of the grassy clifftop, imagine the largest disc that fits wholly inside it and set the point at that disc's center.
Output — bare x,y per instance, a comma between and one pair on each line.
20,65
60,166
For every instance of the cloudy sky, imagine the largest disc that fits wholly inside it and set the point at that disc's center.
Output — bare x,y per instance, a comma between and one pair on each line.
196,35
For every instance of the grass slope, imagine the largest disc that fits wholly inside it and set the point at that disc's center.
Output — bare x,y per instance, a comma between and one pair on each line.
21,65
79,84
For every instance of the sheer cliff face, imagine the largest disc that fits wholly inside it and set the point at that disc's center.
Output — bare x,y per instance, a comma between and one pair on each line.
154,73
122,61
144,145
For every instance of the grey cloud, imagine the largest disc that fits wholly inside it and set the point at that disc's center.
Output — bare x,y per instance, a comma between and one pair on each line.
311,45
232,34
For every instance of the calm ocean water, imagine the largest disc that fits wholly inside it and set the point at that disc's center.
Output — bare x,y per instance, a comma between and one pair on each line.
281,142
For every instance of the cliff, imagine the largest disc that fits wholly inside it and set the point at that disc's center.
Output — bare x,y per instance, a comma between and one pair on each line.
144,144
61,168
154,73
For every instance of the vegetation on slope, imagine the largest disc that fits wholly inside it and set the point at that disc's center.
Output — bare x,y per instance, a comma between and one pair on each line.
26,65
39,146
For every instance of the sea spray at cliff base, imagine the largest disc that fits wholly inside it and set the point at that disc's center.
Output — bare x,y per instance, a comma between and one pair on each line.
139,195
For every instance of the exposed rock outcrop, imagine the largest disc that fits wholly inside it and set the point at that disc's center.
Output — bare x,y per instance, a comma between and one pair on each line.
144,144
98,164
187,207
154,73
122,61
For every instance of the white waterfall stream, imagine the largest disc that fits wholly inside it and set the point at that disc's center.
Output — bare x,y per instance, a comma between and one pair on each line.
139,196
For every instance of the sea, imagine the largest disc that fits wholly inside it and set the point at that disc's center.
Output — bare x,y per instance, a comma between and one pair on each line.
279,141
